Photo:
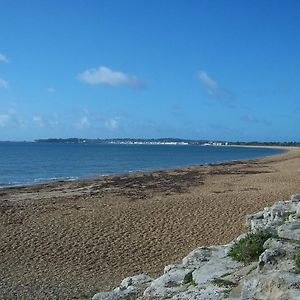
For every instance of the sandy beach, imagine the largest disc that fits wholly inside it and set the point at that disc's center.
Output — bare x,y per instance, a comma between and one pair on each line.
67,240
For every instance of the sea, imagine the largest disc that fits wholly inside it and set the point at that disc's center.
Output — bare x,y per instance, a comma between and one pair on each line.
31,163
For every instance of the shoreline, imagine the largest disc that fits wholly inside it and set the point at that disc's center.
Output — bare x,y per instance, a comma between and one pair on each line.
71,238
97,177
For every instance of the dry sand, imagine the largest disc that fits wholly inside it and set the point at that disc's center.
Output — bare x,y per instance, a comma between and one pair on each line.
66,240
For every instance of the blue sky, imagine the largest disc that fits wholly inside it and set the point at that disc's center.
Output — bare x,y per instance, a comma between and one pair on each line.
196,69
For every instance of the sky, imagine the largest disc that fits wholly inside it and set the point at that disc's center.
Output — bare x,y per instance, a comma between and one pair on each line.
227,70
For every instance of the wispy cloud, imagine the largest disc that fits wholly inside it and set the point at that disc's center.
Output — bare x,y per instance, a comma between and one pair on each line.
105,76
112,123
3,84
11,118
210,84
214,90
83,123
251,119
4,120
38,121
3,58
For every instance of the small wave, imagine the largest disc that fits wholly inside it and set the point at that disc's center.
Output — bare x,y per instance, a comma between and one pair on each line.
67,178
11,184
36,181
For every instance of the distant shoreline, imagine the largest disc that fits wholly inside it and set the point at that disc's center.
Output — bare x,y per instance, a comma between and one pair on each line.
160,141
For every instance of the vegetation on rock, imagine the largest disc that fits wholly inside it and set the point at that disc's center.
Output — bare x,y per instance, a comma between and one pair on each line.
188,278
249,248
297,261
223,282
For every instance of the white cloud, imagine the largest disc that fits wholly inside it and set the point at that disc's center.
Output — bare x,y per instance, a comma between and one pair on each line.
210,84
251,119
215,91
38,121
4,120
3,84
83,123
10,118
3,58
112,123
105,76
206,79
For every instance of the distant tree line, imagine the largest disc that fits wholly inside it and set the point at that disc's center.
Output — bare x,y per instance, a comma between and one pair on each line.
286,144
162,140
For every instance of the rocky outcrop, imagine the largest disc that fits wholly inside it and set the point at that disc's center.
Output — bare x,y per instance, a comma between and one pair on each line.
213,273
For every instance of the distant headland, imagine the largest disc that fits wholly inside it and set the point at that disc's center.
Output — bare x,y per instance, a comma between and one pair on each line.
164,141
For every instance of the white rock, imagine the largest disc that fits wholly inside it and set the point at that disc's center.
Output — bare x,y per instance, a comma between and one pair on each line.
268,258
136,280
115,294
215,268
278,209
290,231
272,285
295,198
298,210
129,286
167,284
210,292
105,296
286,247
169,268
197,257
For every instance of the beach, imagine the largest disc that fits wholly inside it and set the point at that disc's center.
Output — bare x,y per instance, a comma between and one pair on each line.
70,239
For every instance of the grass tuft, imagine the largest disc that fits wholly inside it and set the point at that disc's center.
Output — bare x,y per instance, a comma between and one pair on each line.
297,261
188,278
249,248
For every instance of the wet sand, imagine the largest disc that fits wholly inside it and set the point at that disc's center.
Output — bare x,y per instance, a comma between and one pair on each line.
67,240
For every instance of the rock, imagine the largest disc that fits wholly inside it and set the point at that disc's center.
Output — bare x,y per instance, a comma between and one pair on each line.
268,219
105,296
218,265
286,247
272,285
290,231
295,198
215,268
130,286
136,280
169,268
240,273
167,284
210,292
197,257
116,294
279,209
269,258
298,210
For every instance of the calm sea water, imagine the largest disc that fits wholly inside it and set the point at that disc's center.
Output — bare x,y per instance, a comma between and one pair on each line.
25,163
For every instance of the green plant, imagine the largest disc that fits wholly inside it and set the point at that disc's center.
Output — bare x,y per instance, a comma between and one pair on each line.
297,261
129,297
249,248
188,278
